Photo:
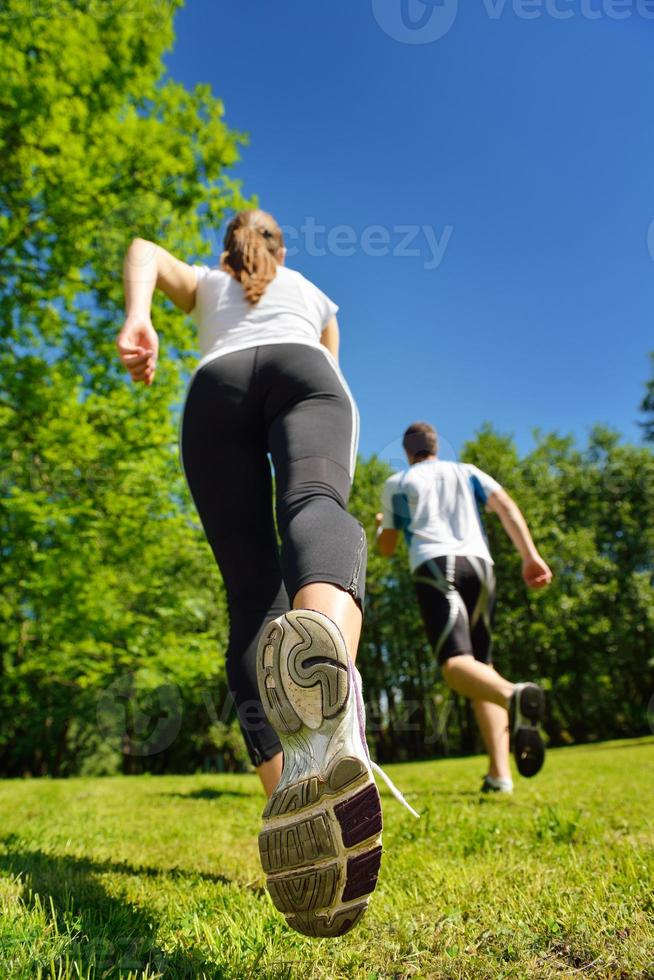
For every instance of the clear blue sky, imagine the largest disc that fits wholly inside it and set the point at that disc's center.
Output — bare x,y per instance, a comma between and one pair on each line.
530,139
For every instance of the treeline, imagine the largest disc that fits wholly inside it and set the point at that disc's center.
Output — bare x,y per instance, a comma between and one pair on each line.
113,621
115,624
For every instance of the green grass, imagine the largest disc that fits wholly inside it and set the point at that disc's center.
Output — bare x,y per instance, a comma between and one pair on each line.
159,877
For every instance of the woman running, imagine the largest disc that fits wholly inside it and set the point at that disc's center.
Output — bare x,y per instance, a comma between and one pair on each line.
269,383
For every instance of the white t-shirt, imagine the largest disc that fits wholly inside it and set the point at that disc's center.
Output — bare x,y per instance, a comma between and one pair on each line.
436,503
291,310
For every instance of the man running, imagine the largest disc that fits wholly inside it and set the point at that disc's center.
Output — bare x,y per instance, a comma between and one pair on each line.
436,503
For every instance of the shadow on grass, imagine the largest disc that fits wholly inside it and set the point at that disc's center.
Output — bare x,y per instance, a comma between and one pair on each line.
105,932
209,794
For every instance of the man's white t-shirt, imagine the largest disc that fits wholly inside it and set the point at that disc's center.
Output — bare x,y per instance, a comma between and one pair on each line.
436,503
291,310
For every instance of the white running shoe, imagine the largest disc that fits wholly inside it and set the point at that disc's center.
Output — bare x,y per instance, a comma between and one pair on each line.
496,784
321,840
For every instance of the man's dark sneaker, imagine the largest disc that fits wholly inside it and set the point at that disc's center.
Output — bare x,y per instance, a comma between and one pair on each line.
526,711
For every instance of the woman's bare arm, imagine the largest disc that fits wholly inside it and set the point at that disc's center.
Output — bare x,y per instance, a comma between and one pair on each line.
148,267
330,337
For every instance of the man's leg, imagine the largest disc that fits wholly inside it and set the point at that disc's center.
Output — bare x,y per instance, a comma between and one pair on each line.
492,719
477,681
456,597
450,605
493,724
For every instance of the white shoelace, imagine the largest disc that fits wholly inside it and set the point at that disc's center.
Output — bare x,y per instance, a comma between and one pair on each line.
373,765
393,788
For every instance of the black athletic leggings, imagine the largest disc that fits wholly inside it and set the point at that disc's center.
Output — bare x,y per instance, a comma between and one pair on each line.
288,400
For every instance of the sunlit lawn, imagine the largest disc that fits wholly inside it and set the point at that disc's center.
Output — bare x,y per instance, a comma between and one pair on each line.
159,877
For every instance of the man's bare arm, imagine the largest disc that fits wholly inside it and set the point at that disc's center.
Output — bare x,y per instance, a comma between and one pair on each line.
386,538
535,571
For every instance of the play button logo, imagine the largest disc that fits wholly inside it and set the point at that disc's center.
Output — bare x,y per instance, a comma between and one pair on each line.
415,21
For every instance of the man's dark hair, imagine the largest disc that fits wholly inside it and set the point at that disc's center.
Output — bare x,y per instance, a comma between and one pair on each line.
420,440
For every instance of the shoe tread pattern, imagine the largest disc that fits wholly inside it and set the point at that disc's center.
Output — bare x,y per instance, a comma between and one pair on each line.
532,703
306,792
328,668
313,889
302,842
362,871
278,708
328,924
298,795
360,817
528,745
529,751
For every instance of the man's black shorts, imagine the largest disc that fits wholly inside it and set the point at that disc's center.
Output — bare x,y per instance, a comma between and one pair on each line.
457,600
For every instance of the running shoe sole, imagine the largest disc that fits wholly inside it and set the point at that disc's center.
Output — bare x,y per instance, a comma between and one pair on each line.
527,711
320,845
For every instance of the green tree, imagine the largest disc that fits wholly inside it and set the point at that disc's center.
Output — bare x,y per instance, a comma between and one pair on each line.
105,574
589,637
647,406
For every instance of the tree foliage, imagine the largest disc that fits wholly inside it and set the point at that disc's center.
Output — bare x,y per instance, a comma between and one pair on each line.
105,574
647,407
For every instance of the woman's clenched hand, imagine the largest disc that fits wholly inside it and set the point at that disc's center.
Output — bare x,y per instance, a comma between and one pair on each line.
138,346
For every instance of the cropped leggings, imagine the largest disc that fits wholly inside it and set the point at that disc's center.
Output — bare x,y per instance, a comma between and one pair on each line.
289,401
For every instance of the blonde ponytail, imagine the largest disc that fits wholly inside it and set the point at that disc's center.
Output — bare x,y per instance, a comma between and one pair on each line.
253,246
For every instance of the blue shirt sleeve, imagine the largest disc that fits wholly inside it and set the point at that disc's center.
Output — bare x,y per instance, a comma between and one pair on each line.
483,485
